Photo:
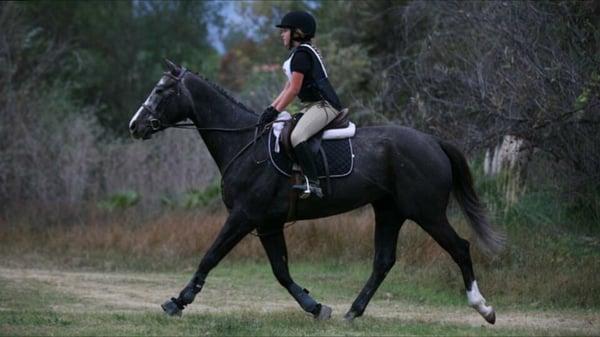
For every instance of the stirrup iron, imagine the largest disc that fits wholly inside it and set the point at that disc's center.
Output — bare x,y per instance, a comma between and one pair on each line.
306,193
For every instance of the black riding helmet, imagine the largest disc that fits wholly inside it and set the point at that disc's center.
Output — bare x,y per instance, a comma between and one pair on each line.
300,20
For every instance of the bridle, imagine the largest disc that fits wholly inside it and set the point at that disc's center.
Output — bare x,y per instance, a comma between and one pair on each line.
157,125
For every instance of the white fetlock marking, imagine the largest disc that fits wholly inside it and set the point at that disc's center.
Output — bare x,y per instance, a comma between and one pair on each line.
477,301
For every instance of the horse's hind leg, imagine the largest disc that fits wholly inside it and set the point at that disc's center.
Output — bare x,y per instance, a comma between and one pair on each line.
458,248
275,247
387,225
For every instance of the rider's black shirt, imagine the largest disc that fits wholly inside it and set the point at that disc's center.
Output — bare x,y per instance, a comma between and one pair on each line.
302,63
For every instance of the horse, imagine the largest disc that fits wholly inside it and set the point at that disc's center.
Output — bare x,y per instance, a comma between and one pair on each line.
401,172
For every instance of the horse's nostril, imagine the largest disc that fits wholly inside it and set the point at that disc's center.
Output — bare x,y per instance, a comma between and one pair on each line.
132,126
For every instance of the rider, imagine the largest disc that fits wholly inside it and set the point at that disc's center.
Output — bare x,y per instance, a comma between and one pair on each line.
307,79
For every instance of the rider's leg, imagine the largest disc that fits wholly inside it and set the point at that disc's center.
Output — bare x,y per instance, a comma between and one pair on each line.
305,158
316,117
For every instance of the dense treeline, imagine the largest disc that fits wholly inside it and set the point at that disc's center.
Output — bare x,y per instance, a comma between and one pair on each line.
73,73
471,72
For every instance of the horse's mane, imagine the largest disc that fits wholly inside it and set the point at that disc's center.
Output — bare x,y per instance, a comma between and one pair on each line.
225,93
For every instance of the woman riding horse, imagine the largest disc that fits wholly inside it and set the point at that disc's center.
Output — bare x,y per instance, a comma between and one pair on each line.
401,172
307,79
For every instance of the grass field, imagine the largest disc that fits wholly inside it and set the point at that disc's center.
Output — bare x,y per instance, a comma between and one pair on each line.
109,278
242,298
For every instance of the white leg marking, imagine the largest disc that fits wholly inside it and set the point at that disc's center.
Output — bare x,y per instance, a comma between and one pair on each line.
477,301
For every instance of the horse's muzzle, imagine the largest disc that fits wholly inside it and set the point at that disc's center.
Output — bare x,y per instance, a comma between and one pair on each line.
138,132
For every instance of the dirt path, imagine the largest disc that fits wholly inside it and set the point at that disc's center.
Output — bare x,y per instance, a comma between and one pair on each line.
100,292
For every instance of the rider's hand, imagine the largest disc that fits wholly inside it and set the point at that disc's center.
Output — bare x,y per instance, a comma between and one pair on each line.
268,116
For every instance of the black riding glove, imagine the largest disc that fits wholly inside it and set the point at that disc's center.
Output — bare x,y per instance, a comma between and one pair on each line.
268,116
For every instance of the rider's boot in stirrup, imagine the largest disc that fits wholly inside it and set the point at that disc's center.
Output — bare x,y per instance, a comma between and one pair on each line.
311,180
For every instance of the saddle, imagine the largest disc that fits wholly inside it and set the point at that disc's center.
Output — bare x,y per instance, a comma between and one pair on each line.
340,122
332,145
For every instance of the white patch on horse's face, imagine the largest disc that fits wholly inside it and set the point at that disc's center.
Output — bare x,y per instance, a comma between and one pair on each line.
149,100
137,114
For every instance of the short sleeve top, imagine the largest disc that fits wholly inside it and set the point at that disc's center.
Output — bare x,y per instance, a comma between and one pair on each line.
301,61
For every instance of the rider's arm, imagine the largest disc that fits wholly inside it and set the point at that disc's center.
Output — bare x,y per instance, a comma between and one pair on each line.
276,101
292,90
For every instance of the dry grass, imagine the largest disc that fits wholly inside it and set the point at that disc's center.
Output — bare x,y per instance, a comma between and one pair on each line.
185,234
539,265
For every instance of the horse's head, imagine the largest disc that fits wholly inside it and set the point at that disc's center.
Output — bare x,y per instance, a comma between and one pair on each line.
166,105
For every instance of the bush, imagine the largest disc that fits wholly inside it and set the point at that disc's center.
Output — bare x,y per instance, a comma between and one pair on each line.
120,201
199,198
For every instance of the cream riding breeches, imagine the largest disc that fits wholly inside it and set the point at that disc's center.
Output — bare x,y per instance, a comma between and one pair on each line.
316,116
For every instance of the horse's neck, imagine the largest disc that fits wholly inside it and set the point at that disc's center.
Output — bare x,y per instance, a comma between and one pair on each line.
214,110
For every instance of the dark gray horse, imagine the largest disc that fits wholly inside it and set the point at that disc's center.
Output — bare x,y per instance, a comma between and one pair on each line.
401,172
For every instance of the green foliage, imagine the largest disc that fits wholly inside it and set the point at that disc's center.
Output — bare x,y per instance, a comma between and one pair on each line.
588,91
200,198
115,49
120,201
350,69
583,207
537,206
537,203
194,198
168,202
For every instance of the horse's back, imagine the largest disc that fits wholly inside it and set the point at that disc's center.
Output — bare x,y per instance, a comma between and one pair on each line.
414,161
405,143
390,161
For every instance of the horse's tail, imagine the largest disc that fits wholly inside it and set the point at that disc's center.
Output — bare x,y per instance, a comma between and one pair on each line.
462,186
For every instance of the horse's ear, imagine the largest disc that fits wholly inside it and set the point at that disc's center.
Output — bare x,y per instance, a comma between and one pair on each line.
172,66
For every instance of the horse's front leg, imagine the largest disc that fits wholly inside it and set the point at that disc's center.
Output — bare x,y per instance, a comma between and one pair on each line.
273,241
236,227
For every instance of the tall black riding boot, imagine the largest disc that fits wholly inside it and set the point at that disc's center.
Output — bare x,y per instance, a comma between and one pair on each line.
309,168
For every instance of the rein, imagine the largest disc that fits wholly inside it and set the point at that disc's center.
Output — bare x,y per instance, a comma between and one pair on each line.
158,125
192,126
257,136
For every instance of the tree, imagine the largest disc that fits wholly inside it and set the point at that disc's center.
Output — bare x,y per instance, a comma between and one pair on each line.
117,48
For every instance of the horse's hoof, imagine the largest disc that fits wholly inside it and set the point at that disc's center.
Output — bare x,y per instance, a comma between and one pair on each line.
491,317
171,308
324,313
350,316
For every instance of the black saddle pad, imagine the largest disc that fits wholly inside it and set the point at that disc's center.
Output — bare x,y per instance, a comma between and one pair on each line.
340,158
